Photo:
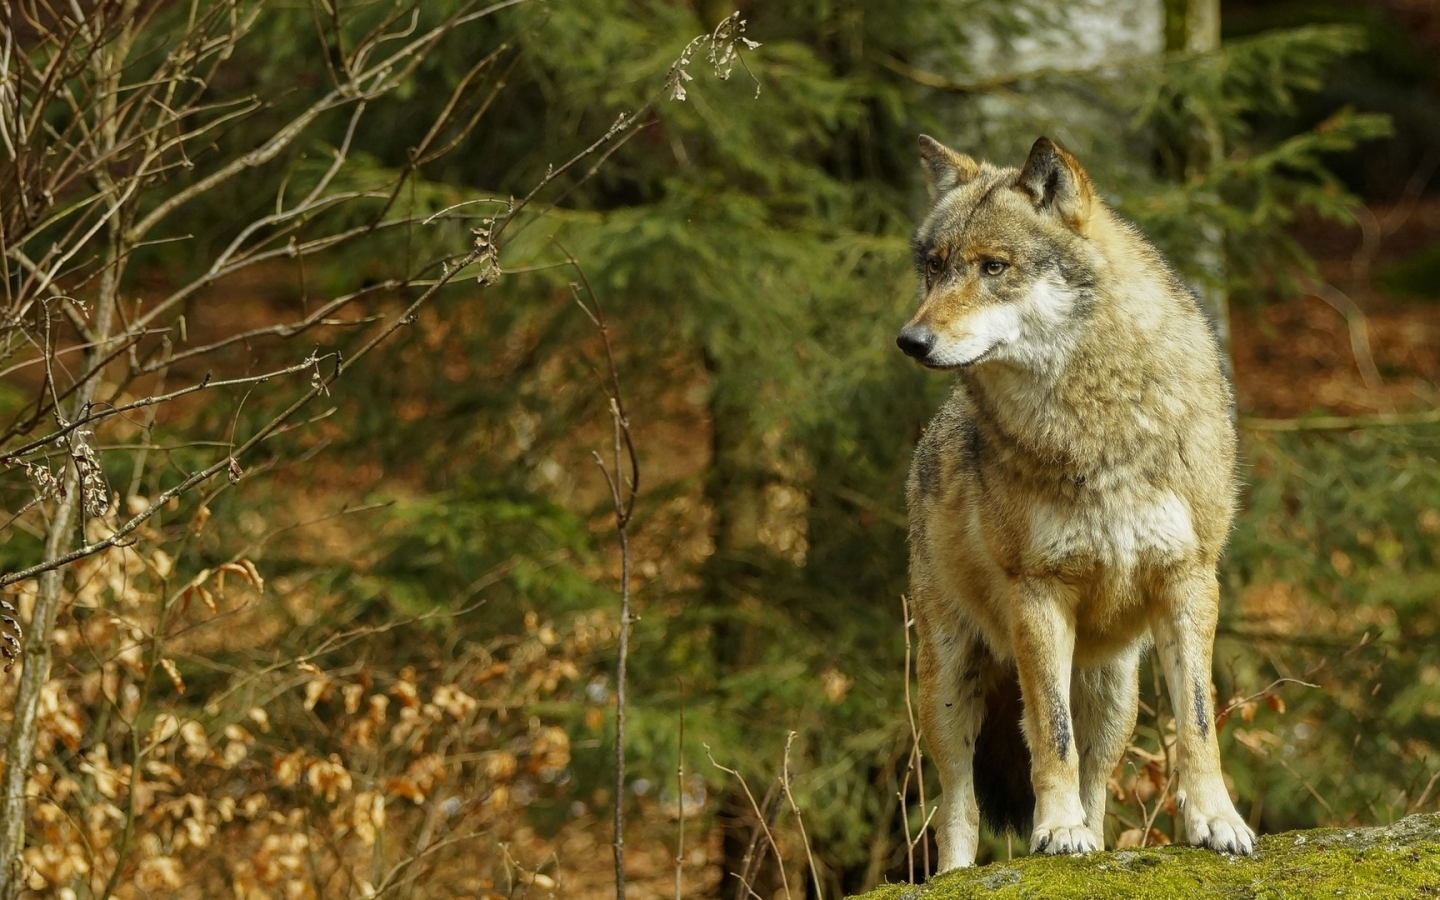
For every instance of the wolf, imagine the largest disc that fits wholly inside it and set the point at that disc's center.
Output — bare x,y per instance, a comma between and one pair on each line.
1067,505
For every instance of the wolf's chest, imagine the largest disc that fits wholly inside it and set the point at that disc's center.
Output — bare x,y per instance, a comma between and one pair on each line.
1118,529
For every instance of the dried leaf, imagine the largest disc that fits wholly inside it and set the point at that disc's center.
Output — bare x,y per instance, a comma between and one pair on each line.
161,562
315,690
197,745
328,777
164,728
235,732
161,769
94,492
495,670
289,767
10,634
368,815
1137,837
260,717
255,577
836,685
173,671
454,701
401,786
234,753
46,484
500,765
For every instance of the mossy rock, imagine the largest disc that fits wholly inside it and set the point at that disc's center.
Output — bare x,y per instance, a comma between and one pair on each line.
1399,861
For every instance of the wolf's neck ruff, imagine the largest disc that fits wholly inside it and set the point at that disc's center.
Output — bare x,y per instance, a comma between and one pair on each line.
1091,377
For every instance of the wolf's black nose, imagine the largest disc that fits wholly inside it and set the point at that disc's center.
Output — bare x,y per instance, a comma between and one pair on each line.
916,341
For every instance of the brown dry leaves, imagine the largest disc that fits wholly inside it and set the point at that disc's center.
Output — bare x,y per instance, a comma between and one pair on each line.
317,778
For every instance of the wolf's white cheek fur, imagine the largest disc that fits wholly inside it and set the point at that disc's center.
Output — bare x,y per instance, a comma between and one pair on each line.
988,328
1046,330
1034,331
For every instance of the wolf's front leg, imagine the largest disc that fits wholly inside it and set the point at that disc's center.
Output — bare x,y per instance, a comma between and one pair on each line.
1042,633
1185,637
951,709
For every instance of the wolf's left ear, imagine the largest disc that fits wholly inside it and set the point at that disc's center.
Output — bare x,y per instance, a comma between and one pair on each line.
945,169
1055,183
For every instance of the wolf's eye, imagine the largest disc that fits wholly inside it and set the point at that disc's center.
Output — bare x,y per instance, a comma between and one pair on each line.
994,267
933,266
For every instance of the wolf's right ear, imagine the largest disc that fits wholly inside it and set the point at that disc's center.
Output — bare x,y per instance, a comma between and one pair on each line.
944,168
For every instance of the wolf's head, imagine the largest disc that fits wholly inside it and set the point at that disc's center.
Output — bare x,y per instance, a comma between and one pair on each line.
1004,257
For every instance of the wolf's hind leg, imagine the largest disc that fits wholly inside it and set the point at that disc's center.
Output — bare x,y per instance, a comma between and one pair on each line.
1105,700
951,710
1185,637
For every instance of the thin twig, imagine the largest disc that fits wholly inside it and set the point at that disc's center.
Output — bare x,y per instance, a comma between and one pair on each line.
917,759
1419,803
1357,325
622,496
680,797
760,819
1342,423
1260,694
1151,815
203,384
799,819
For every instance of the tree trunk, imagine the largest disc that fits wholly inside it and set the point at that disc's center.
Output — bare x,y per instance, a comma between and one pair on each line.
35,671
1193,26
732,581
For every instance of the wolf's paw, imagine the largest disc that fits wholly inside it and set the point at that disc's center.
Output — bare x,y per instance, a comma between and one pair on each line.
1058,839
1216,825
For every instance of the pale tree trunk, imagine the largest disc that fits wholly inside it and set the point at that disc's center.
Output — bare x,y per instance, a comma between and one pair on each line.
35,670
1194,27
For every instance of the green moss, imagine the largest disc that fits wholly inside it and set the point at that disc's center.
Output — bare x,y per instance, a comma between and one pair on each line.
1398,861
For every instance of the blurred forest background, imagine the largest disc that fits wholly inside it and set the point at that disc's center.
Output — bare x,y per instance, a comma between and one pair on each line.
316,573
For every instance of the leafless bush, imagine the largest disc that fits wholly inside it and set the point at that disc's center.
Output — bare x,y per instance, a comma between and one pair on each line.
115,126
114,130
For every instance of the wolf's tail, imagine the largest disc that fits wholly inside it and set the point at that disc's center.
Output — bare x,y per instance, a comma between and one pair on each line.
1002,761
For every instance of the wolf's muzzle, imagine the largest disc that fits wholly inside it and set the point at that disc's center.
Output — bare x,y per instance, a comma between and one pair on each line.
916,341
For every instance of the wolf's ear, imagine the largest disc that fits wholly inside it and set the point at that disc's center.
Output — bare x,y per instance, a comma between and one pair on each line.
944,168
1055,183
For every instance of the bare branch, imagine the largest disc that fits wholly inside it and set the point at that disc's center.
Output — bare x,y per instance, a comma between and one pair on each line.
1343,423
